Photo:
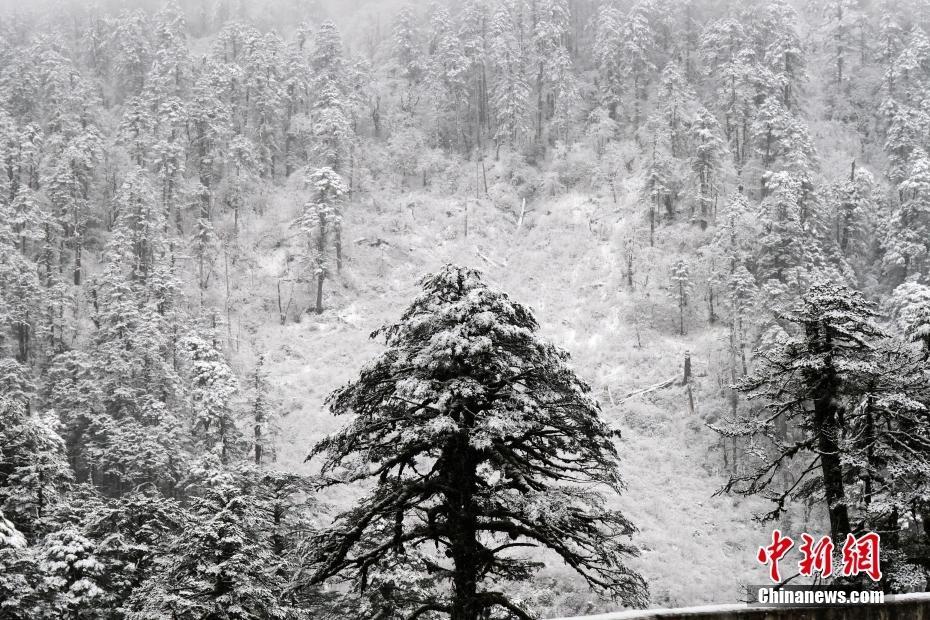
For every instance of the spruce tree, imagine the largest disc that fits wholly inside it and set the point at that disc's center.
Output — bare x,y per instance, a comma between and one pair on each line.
320,222
479,440
907,241
221,564
814,383
510,92
680,290
706,162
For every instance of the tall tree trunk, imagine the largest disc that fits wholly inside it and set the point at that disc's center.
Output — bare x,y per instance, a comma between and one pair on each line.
827,428
337,242
22,337
319,293
463,527
77,258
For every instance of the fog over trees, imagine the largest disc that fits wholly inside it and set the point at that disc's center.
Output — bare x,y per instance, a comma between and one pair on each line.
471,310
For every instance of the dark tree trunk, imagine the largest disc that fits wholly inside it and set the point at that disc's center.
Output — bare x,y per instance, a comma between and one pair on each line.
319,294
827,428
22,338
652,226
337,242
461,463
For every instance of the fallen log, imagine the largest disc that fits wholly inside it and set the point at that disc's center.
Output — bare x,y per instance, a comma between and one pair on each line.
646,390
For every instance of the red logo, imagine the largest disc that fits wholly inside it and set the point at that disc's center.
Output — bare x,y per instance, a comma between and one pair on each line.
773,553
860,555
817,557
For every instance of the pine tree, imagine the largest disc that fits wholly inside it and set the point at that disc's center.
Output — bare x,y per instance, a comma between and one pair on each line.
783,252
72,575
129,429
213,386
466,385
910,305
913,67
660,186
266,100
510,92
732,68
18,573
808,381
549,26
782,144
21,291
474,31
680,289
637,55
171,61
132,48
608,45
262,415
907,243
907,130
208,128
169,159
129,534
320,222
331,128
678,103
34,475
406,46
447,77
706,162
741,292
855,207
783,53
221,560
842,16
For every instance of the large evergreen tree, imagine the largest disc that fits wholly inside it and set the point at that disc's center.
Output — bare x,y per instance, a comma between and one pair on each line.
480,441
838,400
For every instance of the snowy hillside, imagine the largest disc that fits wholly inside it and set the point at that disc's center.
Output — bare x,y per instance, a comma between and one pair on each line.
571,303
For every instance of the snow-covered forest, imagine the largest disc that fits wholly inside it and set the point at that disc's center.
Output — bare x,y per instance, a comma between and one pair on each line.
481,309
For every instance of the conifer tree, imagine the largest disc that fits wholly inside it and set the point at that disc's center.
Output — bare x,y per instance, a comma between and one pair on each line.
18,573
477,437
842,16
784,250
910,305
72,575
907,243
637,56
608,43
549,25
706,162
732,69
447,77
474,31
34,474
813,381
20,288
406,46
320,222
126,397
129,534
783,55
221,560
262,425
680,289
855,207
907,130
510,92
213,386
